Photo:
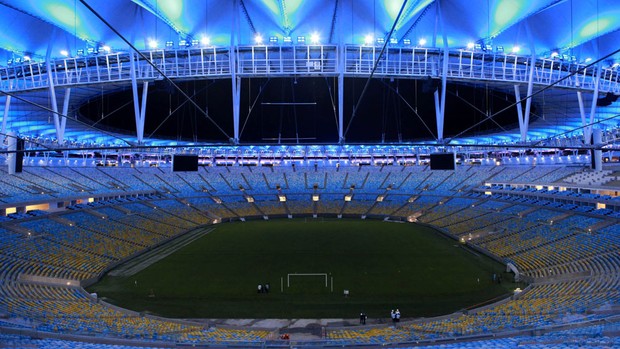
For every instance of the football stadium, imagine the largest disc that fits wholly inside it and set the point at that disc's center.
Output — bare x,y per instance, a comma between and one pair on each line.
309,174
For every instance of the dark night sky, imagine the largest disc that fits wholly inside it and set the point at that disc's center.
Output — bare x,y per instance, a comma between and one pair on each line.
381,116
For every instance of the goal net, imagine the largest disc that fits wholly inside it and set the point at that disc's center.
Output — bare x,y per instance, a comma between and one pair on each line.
307,282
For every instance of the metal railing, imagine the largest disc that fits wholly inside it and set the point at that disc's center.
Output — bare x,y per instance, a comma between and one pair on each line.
307,61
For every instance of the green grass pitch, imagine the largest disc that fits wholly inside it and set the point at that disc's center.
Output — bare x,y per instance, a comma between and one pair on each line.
384,265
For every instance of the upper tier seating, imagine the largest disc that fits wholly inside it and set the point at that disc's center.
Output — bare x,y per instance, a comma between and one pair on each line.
544,239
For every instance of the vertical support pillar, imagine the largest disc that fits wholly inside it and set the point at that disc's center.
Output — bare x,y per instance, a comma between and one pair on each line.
236,94
235,80
60,132
597,155
139,111
145,91
597,82
528,101
440,103
11,147
340,67
53,101
584,122
519,106
341,64
5,116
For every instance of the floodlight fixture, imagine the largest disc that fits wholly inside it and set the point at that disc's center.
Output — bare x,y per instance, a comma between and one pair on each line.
273,39
393,41
315,38
64,53
615,65
470,45
499,49
588,60
368,39
554,54
287,39
422,42
301,39
205,40
516,49
406,42
182,43
169,44
488,48
195,42
80,52
477,47
380,41
258,39
90,50
152,43
26,58
107,49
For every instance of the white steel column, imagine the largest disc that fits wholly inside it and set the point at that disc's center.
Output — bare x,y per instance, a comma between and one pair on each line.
235,80
11,147
139,112
598,153
440,105
525,124
520,111
597,83
63,122
7,105
582,112
236,94
53,101
145,91
528,101
340,62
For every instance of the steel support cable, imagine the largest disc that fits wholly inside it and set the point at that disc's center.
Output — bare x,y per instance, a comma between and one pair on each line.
374,68
62,115
175,110
154,66
577,128
260,92
111,113
476,108
580,70
331,97
412,109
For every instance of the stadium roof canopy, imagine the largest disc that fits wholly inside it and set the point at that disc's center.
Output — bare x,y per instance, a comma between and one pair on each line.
579,31
583,28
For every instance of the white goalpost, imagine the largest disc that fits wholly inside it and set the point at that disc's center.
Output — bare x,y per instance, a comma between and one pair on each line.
288,279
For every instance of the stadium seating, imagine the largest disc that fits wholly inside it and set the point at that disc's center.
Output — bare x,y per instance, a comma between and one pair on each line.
545,239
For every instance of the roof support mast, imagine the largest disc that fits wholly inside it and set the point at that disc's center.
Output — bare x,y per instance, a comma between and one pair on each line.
588,130
139,111
340,62
440,102
7,105
235,80
59,124
524,117
588,126
65,110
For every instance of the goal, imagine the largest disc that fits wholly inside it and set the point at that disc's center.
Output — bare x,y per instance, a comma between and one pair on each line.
288,277
323,276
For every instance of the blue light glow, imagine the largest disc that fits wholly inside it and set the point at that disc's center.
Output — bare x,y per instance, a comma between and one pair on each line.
506,11
63,14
